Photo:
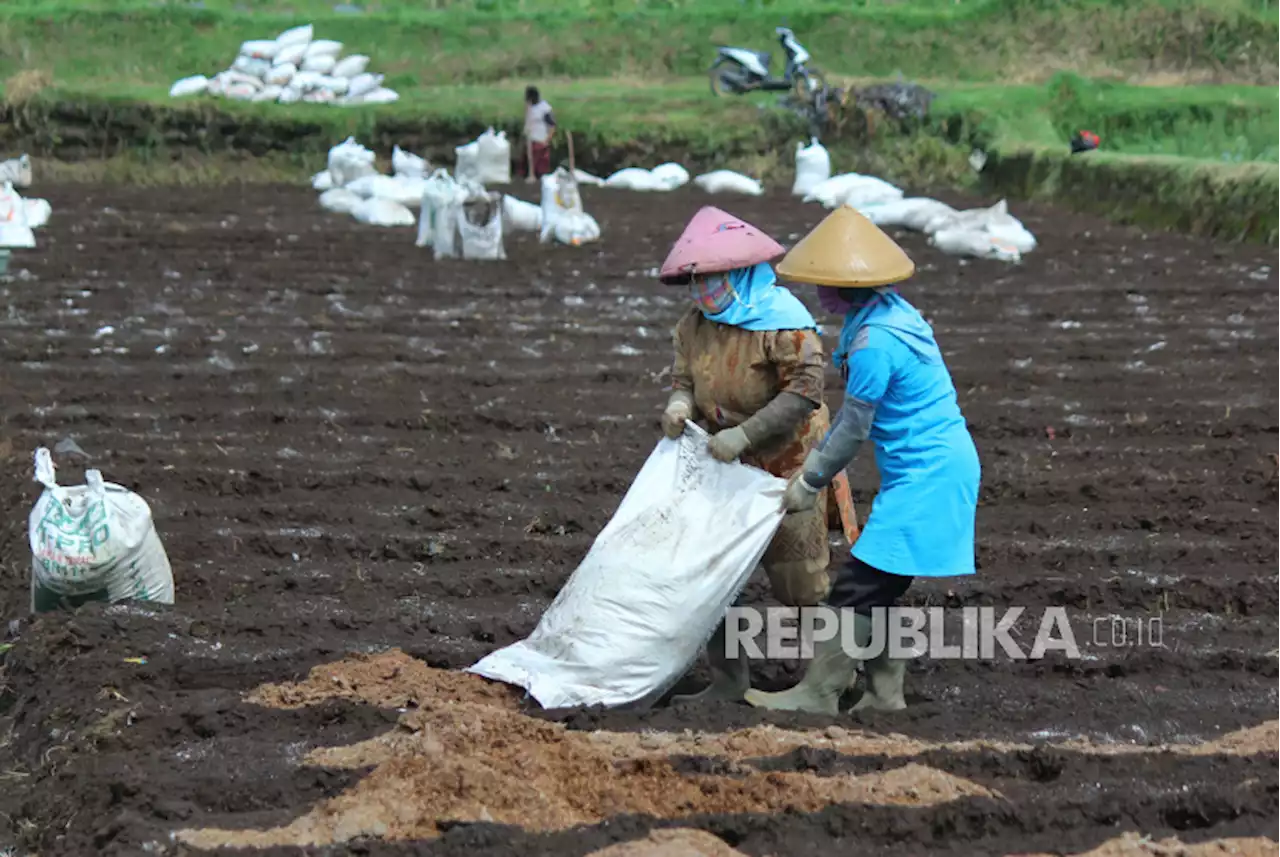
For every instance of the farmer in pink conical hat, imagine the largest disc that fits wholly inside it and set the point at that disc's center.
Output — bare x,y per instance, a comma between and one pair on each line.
749,366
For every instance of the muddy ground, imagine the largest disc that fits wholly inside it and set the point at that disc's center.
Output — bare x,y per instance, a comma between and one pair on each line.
350,448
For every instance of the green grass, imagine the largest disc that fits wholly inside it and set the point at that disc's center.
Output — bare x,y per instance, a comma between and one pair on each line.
140,43
1220,123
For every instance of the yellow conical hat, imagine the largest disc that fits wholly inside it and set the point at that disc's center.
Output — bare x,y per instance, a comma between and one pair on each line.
848,251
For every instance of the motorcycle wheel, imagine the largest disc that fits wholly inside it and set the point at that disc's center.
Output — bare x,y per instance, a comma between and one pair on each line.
809,85
718,85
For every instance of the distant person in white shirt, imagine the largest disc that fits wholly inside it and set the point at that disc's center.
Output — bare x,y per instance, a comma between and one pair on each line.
539,129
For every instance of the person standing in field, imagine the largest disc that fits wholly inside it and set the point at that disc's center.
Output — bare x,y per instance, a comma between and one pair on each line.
748,363
539,128
900,397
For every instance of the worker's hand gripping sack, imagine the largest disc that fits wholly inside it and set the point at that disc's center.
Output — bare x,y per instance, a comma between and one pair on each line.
93,542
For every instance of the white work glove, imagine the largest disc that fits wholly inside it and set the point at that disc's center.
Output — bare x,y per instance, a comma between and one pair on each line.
728,444
799,496
674,417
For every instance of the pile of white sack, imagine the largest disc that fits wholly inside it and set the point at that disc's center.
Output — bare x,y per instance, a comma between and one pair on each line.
290,68
980,233
352,185
19,216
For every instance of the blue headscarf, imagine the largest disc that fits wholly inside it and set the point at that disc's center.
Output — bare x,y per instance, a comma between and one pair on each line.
888,310
761,304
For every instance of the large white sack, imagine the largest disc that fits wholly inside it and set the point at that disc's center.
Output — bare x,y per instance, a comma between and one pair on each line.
632,178
481,240
16,171
727,181
521,216
280,75
408,164
466,164
362,83
340,200
320,64
670,176
813,167
853,189
295,36
576,228
291,55
382,212
322,181
559,197
268,93
241,91
911,213
197,84
1013,233
306,81
349,161
975,243
584,177
14,229
494,158
233,77
402,189
262,49
255,68
438,190
323,48
93,537
334,84
351,66
38,212
290,95
381,95
445,243
636,612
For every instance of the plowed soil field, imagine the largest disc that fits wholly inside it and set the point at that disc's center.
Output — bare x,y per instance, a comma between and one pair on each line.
370,469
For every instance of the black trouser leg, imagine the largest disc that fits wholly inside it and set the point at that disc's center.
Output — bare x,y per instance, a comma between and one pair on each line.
863,587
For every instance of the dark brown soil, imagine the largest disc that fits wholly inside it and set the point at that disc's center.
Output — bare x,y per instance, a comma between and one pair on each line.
349,447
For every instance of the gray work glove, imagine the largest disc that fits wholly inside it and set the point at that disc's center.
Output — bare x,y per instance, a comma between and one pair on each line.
800,497
728,444
679,410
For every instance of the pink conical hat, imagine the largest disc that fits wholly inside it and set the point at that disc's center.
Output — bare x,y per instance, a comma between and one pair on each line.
716,241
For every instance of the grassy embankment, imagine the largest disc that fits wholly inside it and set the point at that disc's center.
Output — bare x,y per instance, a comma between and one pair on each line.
85,83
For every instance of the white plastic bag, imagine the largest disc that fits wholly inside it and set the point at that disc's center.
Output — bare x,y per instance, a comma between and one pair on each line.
362,83
584,177
336,85
262,49
197,84
268,93
466,164
408,164
976,243
576,228
339,200
322,181
521,216
320,63
94,537
480,236
911,213
437,192
727,181
255,68
14,230
813,167
38,212
633,178
323,48
381,212
381,95
291,55
349,161
280,75
295,36
289,95
1013,233
637,611
16,171
494,158
853,189
670,176
351,66
559,196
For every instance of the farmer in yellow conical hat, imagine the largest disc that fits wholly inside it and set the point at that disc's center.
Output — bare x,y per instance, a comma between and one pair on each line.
899,395
749,364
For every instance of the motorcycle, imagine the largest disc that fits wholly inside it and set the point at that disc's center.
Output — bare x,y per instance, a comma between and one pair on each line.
748,71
